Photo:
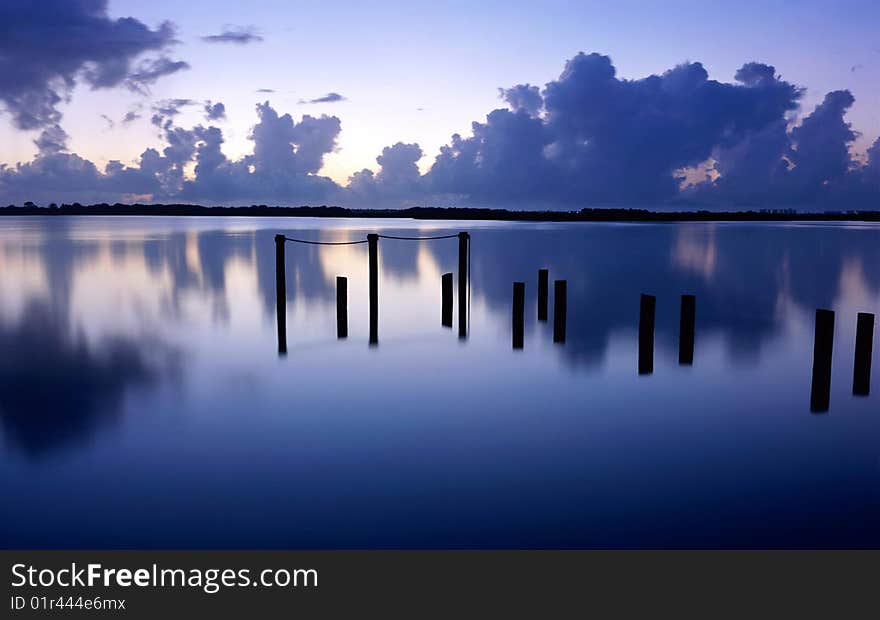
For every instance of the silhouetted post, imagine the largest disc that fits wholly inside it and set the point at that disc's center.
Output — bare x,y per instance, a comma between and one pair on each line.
281,294
820,391
686,330
463,243
559,301
373,243
446,314
519,310
543,276
864,348
341,307
646,334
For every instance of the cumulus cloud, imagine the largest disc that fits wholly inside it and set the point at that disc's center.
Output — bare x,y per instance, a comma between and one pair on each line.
398,178
49,46
523,97
214,111
328,98
240,35
587,138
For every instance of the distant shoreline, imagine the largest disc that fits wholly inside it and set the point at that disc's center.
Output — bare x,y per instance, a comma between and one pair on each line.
448,213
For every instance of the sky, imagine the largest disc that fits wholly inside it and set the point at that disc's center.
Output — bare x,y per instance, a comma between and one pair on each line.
417,73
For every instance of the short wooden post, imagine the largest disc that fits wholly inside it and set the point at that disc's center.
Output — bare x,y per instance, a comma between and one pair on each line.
463,243
560,293
686,330
519,303
543,279
280,294
864,349
820,389
446,310
341,307
373,243
646,334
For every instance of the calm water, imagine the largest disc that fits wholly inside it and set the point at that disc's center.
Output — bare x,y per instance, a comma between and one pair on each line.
144,403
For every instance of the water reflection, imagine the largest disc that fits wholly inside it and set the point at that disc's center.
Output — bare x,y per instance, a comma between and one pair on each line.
57,388
99,316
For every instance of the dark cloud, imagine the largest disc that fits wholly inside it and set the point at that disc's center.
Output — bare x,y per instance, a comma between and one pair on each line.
523,97
398,177
151,70
47,47
265,90
240,35
328,98
588,138
214,111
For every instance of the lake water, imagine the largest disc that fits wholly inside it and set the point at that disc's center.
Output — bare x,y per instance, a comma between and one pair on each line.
143,401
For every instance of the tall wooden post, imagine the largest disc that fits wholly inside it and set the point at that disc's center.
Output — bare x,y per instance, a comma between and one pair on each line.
686,330
864,349
281,294
543,278
560,294
373,243
341,307
646,334
519,302
446,310
463,243
820,389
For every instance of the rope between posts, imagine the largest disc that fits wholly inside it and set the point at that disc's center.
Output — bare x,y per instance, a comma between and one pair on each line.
324,242
417,238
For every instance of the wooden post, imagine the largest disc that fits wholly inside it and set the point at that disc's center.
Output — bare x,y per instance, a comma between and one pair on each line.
281,295
373,243
341,307
519,301
864,348
446,310
559,303
686,330
646,334
463,243
820,389
543,278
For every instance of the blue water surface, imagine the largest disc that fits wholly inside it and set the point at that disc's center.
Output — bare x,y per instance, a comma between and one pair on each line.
143,401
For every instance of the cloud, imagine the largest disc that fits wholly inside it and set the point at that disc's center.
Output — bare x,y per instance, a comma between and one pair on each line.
131,116
265,90
214,111
328,98
587,138
398,177
240,35
49,46
151,70
523,97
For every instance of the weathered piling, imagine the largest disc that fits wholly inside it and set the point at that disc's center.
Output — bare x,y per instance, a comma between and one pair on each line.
281,294
543,281
560,294
519,303
864,349
646,334
373,244
446,310
820,389
686,330
464,240
341,307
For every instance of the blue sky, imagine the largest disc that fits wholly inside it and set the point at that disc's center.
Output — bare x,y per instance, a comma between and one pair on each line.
418,72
